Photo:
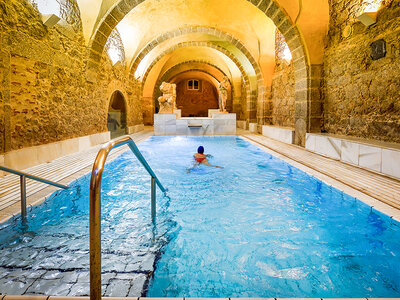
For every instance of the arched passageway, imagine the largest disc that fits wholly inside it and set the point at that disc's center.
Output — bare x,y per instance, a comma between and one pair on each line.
116,118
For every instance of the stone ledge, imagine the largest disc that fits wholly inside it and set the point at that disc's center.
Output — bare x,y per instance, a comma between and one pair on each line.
32,156
283,134
135,128
376,156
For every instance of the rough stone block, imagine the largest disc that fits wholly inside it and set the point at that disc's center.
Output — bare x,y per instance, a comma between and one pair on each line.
264,4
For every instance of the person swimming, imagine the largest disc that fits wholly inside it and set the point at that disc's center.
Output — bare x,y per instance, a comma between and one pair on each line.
201,158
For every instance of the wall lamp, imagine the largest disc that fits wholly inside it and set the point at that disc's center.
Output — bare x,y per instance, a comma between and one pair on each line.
368,18
50,20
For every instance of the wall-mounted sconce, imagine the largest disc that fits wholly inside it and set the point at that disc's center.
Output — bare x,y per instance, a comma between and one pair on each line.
50,20
368,18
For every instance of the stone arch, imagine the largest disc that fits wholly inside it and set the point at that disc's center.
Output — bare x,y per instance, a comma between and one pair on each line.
172,69
251,97
116,85
117,113
308,111
197,29
168,73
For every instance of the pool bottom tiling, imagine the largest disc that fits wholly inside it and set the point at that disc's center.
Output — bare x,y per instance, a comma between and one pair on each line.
257,228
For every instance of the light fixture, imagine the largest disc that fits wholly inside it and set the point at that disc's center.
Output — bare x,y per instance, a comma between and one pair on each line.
50,20
368,18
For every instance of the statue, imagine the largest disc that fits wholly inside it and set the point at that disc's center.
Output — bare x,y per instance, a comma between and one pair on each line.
168,100
223,94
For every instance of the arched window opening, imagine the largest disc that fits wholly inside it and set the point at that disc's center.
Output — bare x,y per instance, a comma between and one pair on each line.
115,48
282,50
116,119
373,5
67,10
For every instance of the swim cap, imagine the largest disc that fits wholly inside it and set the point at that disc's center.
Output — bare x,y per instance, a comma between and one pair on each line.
200,150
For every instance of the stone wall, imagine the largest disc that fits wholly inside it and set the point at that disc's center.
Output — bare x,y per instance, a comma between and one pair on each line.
44,88
283,96
362,96
283,89
196,103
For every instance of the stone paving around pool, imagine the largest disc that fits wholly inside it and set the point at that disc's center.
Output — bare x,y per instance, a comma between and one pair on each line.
65,272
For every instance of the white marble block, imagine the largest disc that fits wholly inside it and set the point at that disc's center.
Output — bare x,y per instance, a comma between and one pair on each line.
178,113
285,135
211,112
350,152
253,127
164,121
362,153
391,162
221,123
370,157
328,146
310,142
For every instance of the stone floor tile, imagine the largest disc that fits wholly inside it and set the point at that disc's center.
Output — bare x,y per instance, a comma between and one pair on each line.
349,299
207,298
68,298
382,298
155,298
49,287
25,298
299,298
125,298
118,288
15,287
252,298
80,289
136,288
52,275
84,277
69,277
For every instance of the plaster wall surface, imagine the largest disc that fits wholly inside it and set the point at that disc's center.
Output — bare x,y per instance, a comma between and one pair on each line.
362,95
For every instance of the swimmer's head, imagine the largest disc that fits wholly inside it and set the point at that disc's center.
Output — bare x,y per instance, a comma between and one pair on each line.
200,150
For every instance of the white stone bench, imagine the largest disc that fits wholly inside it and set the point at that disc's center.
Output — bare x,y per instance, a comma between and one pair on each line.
282,134
373,155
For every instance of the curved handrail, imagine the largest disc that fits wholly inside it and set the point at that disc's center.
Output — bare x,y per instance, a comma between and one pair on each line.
95,200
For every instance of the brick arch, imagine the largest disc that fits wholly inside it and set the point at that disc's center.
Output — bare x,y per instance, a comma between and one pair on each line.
251,96
170,71
197,29
308,110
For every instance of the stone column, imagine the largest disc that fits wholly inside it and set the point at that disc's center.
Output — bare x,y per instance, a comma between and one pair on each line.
308,106
316,99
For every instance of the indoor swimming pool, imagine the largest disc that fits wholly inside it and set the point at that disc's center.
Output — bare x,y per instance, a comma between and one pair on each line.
257,228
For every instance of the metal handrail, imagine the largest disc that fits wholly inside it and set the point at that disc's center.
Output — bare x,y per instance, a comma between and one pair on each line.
95,207
23,177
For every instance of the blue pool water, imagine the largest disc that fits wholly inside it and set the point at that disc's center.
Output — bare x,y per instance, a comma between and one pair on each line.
257,228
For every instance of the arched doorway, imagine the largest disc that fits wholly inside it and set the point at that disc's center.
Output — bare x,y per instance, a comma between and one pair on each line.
116,119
